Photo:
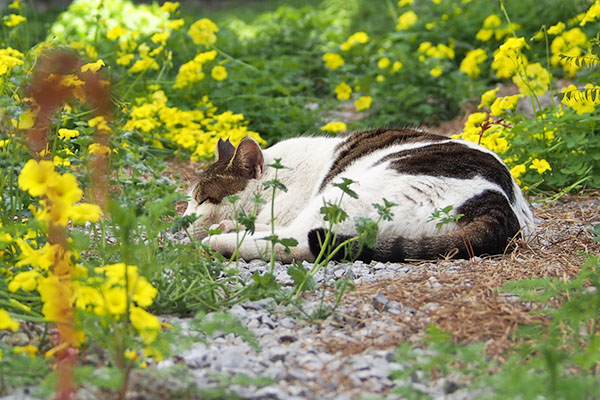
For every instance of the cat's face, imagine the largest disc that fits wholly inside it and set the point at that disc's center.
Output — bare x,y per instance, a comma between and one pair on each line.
229,175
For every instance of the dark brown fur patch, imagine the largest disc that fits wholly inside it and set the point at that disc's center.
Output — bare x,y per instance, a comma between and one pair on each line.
220,180
363,143
231,172
452,160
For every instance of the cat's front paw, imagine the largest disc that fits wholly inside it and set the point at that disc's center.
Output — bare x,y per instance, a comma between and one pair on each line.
224,244
225,226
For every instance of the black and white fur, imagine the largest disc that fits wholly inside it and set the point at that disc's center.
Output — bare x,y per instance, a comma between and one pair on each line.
419,171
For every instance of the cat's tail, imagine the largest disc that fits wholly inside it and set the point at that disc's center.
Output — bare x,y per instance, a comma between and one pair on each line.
488,226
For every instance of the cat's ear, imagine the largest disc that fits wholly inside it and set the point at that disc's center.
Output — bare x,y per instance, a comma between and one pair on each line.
249,158
225,150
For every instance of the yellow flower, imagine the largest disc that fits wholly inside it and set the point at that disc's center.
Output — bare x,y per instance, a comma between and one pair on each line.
176,24
380,78
170,6
570,44
592,13
383,63
35,177
125,59
89,298
577,101
486,33
85,212
436,71
43,258
115,33
502,104
116,300
94,66
556,29
59,161
470,64
64,189
358,37
333,60
143,64
406,20
363,103
219,73
518,170
488,97
343,91
402,3
30,350
143,292
160,37
540,166
397,65
10,58
508,57
438,51
26,280
6,322
99,123
203,32
98,149
334,127
67,134
13,20
16,4
145,323
538,80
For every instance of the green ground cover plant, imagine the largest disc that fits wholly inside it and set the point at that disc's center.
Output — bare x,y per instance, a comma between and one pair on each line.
97,100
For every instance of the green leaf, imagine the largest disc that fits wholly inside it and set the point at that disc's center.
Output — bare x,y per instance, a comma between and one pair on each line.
275,184
367,229
344,185
299,274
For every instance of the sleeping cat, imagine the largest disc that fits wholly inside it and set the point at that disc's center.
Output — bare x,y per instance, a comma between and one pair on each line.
419,171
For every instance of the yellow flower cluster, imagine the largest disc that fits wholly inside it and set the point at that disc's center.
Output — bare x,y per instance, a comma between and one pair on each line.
470,64
6,322
492,27
569,43
191,72
406,20
343,91
117,287
334,127
197,130
9,58
508,57
13,20
494,138
592,13
503,104
203,32
59,194
441,51
333,60
363,103
581,100
535,79
355,38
